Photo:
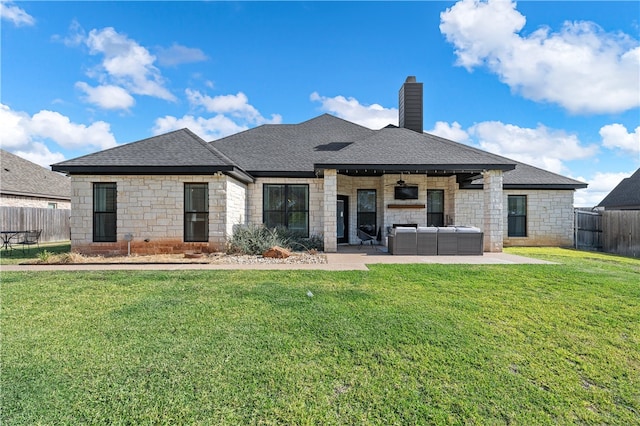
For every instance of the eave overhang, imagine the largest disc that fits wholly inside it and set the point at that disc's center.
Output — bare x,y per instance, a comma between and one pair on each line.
232,171
549,186
435,169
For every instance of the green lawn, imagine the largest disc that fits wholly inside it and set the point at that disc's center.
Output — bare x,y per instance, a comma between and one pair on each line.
399,344
17,255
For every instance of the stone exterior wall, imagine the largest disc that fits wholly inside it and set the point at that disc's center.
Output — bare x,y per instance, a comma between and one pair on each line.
493,209
549,215
330,212
550,218
151,208
35,202
469,208
236,205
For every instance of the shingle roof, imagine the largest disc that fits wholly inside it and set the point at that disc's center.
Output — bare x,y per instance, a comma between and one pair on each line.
406,148
21,177
306,149
289,147
180,151
626,195
526,176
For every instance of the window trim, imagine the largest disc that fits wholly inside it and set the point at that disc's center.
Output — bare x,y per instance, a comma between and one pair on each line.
439,213
205,236
286,210
97,237
375,210
511,233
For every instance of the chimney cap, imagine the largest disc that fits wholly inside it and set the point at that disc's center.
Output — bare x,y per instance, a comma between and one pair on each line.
411,79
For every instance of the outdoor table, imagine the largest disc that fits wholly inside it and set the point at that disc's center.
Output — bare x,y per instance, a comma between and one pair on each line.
7,236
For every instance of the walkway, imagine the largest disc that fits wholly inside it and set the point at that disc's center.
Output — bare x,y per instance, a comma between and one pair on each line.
348,259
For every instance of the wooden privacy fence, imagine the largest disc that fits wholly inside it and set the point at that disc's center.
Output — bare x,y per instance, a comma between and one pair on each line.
611,231
588,230
621,232
53,222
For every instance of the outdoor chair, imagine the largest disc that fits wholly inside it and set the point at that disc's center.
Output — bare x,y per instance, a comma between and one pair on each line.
30,238
366,237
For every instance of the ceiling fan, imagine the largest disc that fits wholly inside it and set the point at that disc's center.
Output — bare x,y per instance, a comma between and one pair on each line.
401,182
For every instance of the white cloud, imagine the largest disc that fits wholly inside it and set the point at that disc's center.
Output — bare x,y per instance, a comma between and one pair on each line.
178,54
233,114
616,136
453,131
237,106
581,67
39,153
13,126
542,147
600,184
371,116
26,134
125,63
207,128
107,96
59,128
16,15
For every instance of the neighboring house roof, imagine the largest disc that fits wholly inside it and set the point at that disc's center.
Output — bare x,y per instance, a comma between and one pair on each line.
307,148
177,152
24,178
625,196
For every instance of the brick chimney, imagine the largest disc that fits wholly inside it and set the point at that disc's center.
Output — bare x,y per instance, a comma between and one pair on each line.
410,105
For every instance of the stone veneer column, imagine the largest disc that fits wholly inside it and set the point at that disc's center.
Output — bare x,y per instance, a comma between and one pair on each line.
493,207
329,220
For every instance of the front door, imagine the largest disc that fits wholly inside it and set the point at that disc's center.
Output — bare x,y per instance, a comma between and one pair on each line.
342,219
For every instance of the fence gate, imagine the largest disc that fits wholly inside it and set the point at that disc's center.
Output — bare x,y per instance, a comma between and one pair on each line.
588,230
621,232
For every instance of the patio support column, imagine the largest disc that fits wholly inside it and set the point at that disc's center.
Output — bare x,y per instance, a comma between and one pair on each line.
330,221
493,207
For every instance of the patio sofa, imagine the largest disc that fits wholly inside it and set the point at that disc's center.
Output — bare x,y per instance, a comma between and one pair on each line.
441,241
403,240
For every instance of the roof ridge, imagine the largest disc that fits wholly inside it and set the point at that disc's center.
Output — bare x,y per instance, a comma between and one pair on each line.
326,114
466,147
215,151
125,144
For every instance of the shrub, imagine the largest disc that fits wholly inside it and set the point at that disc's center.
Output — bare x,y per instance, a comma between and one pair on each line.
253,239
256,239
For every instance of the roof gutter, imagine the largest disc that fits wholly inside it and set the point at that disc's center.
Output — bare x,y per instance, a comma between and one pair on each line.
423,168
232,171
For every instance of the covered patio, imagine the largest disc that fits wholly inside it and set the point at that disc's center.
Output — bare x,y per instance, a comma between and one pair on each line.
376,198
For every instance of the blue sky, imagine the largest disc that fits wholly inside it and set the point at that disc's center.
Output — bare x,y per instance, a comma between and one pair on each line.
552,84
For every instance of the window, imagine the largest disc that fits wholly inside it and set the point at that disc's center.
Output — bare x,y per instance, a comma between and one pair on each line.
196,212
517,217
104,212
366,211
435,207
52,205
286,206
